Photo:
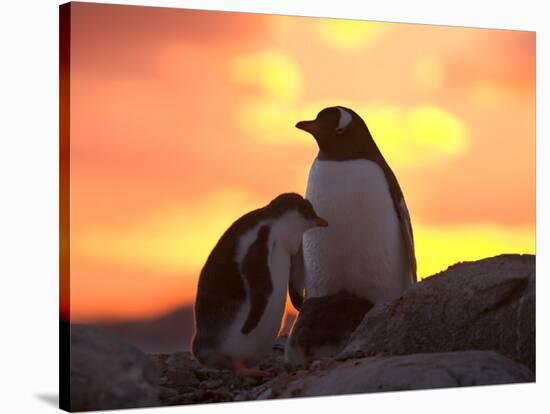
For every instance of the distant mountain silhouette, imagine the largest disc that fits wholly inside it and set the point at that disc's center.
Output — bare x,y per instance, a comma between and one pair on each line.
171,332
168,333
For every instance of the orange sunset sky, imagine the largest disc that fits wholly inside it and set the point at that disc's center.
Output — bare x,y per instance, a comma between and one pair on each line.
183,120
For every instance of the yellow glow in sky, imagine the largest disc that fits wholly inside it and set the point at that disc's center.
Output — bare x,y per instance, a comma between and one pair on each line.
439,247
180,240
348,34
184,120
421,134
272,70
174,241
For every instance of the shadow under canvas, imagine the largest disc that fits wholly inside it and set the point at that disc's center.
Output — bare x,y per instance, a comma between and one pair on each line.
50,399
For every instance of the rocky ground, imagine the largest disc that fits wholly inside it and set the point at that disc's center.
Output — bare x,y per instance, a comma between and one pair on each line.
473,324
184,381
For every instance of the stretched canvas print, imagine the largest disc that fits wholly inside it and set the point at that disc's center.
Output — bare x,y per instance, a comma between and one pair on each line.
260,206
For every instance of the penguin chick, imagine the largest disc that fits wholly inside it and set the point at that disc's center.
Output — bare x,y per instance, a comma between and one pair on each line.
242,287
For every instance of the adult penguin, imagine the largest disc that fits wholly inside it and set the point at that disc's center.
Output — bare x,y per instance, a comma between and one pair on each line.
368,250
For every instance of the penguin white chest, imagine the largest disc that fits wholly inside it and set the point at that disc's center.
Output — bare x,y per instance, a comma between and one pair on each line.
360,251
279,269
251,347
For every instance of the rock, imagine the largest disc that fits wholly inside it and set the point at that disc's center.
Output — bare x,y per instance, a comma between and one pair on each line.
473,324
484,305
184,381
213,383
109,374
181,369
409,372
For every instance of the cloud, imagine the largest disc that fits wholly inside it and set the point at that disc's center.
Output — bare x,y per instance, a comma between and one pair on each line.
348,35
273,71
407,136
267,116
418,134
272,122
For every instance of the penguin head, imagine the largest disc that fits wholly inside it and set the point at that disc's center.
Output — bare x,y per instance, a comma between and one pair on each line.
340,133
293,215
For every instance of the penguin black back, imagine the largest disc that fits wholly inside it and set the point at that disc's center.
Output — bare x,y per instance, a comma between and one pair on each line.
221,290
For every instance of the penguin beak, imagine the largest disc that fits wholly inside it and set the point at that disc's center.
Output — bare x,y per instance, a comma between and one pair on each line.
308,126
321,222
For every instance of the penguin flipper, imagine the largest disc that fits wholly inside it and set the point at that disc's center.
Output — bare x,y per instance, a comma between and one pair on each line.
296,279
407,234
404,218
257,277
